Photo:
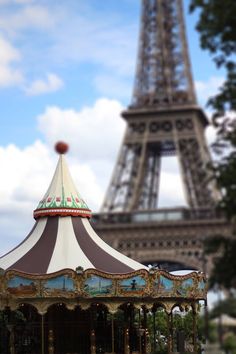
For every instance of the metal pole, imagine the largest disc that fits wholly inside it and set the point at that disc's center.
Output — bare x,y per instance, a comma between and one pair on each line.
154,330
148,343
50,342
93,341
92,330
145,329
206,315
112,335
127,347
42,334
169,340
194,330
12,339
220,327
172,330
140,333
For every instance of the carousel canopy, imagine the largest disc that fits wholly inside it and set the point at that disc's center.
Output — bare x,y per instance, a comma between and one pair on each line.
62,236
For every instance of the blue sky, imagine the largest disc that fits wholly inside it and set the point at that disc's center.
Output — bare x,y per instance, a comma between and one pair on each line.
66,72
87,46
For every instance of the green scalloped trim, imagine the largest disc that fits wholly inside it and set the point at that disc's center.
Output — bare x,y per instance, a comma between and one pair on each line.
63,203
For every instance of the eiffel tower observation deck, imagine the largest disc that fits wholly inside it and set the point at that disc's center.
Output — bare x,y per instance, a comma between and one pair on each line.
163,119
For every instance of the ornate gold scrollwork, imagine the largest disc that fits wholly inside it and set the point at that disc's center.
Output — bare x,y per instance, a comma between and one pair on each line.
141,288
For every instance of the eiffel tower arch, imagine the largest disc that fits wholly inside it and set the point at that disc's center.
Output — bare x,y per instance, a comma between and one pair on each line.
163,119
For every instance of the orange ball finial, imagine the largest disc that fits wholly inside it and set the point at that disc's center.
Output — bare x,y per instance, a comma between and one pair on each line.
61,147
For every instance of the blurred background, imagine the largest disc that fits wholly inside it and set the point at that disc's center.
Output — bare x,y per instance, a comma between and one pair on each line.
66,72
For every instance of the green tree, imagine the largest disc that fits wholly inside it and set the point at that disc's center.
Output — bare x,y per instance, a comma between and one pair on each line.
229,344
226,306
216,26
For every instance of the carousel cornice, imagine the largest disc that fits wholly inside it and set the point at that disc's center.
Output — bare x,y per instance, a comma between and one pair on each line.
95,284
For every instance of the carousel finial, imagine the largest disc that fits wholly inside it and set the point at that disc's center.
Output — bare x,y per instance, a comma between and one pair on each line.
61,147
62,197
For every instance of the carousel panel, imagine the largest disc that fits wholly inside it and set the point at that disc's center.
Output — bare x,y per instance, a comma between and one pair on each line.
19,285
155,284
98,286
62,285
132,286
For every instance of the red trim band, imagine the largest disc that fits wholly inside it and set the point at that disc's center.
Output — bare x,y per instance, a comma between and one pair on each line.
85,213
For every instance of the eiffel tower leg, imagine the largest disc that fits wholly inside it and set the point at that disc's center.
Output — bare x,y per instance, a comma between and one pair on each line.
195,174
135,181
121,188
145,194
139,176
115,185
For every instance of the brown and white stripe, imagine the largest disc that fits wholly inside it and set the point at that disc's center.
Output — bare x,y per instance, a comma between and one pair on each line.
57,243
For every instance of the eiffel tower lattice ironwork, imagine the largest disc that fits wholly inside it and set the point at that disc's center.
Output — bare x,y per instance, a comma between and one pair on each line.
163,119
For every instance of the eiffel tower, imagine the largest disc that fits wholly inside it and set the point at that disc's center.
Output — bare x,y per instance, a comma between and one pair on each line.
163,119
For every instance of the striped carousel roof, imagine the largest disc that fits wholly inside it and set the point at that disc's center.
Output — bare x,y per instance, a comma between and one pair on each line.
62,236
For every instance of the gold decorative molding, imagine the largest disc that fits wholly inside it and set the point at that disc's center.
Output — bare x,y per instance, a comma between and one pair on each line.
142,288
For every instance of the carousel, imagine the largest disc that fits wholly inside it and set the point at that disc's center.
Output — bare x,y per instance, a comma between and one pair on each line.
63,290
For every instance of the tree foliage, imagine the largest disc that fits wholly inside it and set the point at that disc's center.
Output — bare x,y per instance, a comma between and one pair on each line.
225,306
216,26
229,344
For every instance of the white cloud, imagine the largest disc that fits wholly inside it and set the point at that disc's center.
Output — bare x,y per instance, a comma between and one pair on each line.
171,190
8,53
9,75
28,16
93,133
34,16
208,88
205,90
52,83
